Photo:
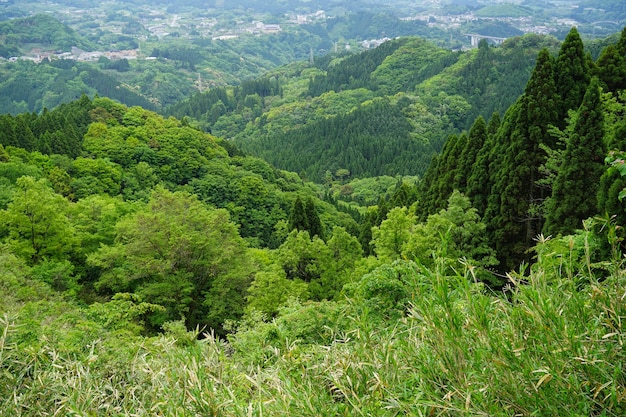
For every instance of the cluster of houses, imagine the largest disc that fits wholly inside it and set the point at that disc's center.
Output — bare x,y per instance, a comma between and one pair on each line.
76,54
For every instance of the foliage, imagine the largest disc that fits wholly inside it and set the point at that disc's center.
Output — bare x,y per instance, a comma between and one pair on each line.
170,251
574,192
553,349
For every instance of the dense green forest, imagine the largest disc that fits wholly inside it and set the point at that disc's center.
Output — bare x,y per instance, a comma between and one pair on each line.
388,109
148,267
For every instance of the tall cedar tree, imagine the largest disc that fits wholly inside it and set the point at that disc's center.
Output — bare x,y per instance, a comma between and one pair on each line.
512,222
611,69
475,141
422,208
479,182
436,196
313,219
572,75
574,193
611,65
304,217
297,218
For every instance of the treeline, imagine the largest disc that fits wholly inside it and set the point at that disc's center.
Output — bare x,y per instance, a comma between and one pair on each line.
541,169
59,131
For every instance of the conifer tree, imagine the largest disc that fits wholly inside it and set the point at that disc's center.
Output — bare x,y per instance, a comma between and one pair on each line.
479,181
572,76
443,186
304,217
365,233
611,69
313,220
512,215
475,141
543,100
494,124
297,217
574,191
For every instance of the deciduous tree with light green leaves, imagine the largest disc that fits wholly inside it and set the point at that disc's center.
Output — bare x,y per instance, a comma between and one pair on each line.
35,224
180,254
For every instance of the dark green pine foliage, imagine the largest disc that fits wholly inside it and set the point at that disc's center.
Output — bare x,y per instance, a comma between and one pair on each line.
475,141
59,131
494,124
507,205
448,165
479,181
430,177
574,193
313,220
365,233
304,216
543,100
611,65
572,75
512,215
611,69
404,195
297,217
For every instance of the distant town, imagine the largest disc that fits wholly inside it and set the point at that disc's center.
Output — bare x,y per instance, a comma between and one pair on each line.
154,24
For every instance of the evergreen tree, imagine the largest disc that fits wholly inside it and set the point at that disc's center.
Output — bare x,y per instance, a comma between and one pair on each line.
403,196
543,100
365,233
475,141
313,220
479,181
494,124
611,69
297,218
574,191
572,76
436,197
304,217
512,215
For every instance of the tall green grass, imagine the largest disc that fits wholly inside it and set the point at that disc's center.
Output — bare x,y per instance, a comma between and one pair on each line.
552,344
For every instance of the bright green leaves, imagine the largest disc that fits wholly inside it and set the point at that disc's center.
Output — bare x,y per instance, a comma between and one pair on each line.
271,290
454,233
390,237
173,253
36,223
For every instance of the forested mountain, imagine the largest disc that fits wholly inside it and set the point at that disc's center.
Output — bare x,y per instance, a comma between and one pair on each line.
149,267
41,30
380,112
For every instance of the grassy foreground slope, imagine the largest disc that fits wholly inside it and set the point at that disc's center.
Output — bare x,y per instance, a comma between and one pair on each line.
406,341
